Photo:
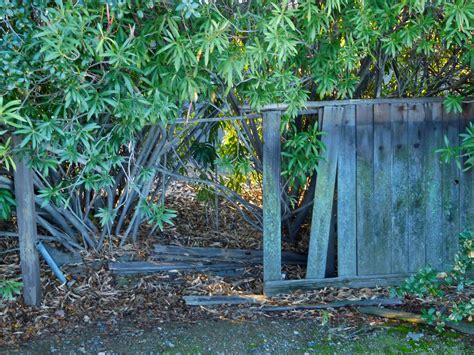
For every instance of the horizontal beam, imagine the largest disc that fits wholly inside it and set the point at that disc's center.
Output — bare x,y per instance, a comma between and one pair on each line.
222,299
272,288
317,104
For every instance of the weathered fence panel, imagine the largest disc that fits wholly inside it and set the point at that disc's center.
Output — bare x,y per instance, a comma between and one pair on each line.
346,197
398,207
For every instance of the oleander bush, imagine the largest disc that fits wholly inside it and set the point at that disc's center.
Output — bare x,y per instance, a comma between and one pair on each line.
106,96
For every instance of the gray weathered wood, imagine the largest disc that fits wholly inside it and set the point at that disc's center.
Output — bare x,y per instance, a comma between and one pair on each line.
311,105
416,213
467,178
220,300
337,304
324,194
26,219
432,189
450,192
366,246
143,267
382,258
272,288
463,327
346,197
399,190
179,253
271,196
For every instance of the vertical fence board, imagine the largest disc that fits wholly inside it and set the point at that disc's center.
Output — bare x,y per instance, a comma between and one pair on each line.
324,195
365,182
450,192
467,178
346,197
416,235
271,196
382,188
26,219
399,189
432,168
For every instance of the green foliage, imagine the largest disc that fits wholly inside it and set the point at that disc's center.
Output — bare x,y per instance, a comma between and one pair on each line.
7,202
80,82
158,215
453,103
301,154
9,289
463,154
429,283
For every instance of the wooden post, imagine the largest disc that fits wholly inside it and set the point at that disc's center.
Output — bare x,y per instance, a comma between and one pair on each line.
26,219
271,196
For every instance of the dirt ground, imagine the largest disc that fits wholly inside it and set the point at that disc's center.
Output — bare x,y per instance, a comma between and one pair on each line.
262,336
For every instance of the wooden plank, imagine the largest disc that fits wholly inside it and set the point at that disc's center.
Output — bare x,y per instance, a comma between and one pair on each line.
324,195
310,105
272,288
399,190
271,196
450,176
26,219
416,216
463,327
366,246
220,300
433,190
337,304
176,253
207,252
382,258
139,267
346,197
467,177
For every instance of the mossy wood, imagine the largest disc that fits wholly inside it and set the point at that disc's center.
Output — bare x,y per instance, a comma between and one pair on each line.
399,208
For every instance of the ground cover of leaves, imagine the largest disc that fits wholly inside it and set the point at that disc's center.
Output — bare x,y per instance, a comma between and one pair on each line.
95,295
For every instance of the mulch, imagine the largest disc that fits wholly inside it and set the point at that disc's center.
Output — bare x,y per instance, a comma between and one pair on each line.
96,295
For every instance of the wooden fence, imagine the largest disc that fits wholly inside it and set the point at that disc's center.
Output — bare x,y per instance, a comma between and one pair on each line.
398,208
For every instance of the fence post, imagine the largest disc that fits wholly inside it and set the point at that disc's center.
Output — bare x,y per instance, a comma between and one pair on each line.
271,196
26,219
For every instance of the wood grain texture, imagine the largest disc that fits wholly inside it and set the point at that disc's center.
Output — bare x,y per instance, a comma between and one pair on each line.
366,246
245,256
271,196
220,300
450,192
337,304
284,286
416,209
382,188
26,219
346,197
399,189
432,189
324,195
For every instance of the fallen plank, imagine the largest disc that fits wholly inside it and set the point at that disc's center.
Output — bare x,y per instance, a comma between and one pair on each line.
276,287
462,327
178,253
142,267
219,300
337,304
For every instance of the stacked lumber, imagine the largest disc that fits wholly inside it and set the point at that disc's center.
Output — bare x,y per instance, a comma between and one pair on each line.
218,261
